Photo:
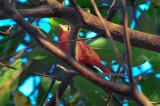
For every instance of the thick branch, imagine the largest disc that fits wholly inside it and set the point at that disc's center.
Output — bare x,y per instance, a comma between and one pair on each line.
93,23
47,45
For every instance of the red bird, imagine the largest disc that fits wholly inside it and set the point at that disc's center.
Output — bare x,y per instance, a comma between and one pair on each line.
86,55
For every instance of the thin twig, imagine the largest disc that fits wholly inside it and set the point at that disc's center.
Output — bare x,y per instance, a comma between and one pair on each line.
102,97
68,77
13,35
63,2
48,46
139,39
3,32
17,54
66,70
115,78
7,31
110,7
111,15
46,94
8,82
80,39
119,67
49,89
127,41
108,34
4,65
111,74
57,98
133,4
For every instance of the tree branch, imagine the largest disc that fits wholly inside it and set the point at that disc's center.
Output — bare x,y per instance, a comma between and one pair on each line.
127,42
93,23
47,45
68,77
28,72
107,30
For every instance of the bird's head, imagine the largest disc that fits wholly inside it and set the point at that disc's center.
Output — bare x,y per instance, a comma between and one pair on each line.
64,31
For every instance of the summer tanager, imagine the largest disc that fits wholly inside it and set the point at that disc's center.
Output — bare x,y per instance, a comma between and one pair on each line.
86,55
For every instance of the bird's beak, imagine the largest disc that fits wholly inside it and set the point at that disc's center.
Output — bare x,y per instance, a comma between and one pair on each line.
63,27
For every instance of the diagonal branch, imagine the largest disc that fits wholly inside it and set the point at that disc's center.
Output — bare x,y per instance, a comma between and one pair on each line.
28,72
110,7
44,43
127,42
107,32
116,77
68,77
93,23
133,5
91,76
78,8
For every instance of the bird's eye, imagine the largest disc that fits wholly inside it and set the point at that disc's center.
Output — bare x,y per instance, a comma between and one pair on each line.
69,28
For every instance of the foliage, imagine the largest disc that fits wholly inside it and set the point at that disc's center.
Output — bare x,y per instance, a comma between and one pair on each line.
81,91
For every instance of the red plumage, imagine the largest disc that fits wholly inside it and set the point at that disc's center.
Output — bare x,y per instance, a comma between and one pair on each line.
86,55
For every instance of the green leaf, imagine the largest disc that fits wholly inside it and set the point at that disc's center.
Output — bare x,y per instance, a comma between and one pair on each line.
39,53
41,93
155,96
5,97
10,46
48,35
104,49
86,10
38,66
46,82
20,99
156,3
153,58
154,13
149,84
8,76
146,22
54,25
87,3
6,73
14,85
89,91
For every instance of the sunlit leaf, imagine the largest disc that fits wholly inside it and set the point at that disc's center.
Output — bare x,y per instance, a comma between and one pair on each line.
39,53
8,76
103,47
20,99
54,24
5,97
156,3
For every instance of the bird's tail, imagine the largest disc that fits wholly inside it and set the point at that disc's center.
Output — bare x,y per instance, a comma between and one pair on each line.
105,70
